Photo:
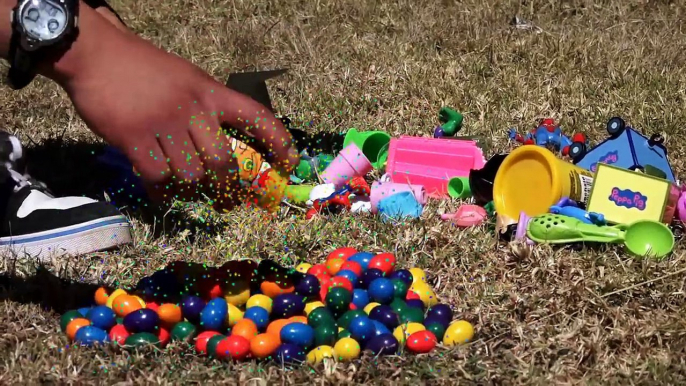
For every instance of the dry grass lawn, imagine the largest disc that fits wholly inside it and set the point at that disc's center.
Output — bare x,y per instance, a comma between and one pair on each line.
553,316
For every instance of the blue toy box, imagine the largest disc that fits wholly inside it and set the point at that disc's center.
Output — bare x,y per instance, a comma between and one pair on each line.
628,149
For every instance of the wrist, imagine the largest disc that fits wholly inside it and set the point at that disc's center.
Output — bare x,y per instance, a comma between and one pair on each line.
93,30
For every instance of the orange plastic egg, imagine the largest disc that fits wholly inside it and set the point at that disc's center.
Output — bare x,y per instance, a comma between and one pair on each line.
275,327
298,319
125,304
169,313
273,289
74,326
101,296
264,345
334,265
245,328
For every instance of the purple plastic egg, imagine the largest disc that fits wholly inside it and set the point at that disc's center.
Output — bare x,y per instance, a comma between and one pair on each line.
142,320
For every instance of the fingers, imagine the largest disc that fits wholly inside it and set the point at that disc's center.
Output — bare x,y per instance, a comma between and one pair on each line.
185,164
264,132
150,165
221,180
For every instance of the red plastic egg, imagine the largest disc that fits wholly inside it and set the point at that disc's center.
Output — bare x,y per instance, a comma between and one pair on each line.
163,336
201,341
340,281
341,253
119,334
235,347
421,342
152,306
216,291
352,266
384,262
317,270
412,295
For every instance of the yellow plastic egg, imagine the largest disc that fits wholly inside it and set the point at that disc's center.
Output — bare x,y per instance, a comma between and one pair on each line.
141,301
426,294
259,300
319,353
238,299
458,332
113,296
303,267
234,315
403,331
312,306
417,275
369,307
346,349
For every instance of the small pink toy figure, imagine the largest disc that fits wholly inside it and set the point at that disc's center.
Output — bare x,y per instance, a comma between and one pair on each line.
467,216
681,205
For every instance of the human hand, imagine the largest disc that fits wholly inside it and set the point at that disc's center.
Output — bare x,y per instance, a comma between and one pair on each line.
165,114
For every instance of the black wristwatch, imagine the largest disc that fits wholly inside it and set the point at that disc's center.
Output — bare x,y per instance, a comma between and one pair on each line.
41,30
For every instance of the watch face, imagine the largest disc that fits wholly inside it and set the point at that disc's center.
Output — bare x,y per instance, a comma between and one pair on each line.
43,19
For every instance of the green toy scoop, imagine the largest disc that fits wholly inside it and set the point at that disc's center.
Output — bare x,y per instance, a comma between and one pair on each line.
641,238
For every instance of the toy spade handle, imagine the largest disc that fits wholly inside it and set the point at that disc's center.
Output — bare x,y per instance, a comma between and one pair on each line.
602,234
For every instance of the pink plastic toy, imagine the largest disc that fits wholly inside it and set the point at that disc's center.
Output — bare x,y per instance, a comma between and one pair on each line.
431,162
681,205
381,190
348,164
467,216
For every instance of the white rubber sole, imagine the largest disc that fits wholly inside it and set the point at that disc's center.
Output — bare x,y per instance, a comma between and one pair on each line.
93,236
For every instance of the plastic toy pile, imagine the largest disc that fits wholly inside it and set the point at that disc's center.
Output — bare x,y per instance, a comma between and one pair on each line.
620,191
354,301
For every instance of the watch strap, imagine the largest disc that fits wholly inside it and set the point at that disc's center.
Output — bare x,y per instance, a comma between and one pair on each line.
21,64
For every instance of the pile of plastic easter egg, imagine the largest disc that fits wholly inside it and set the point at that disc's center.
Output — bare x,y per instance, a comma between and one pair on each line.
354,301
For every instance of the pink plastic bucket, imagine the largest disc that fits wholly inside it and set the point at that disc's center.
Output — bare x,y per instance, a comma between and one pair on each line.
349,163
381,190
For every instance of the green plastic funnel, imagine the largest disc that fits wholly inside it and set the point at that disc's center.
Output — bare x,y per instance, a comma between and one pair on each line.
370,142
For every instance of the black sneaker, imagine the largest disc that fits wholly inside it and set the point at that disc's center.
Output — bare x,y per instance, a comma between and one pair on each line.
35,224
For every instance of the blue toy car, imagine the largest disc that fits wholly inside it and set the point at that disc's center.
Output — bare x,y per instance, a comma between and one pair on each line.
549,134
628,149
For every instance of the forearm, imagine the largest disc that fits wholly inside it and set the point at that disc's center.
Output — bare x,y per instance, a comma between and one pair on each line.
5,26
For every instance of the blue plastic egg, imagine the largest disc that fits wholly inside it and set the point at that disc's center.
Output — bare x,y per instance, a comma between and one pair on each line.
141,320
348,274
307,286
385,344
212,317
417,303
89,335
381,290
191,307
369,276
258,315
288,353
84,311
360,298
385,315
362,258
362,329
440,312
287,305
380,328
102,317
403,275
298,334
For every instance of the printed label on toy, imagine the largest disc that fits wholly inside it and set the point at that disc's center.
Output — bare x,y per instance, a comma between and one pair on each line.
579,186
628,198
609,159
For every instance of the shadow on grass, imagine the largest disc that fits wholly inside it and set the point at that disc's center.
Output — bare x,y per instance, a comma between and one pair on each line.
47,290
